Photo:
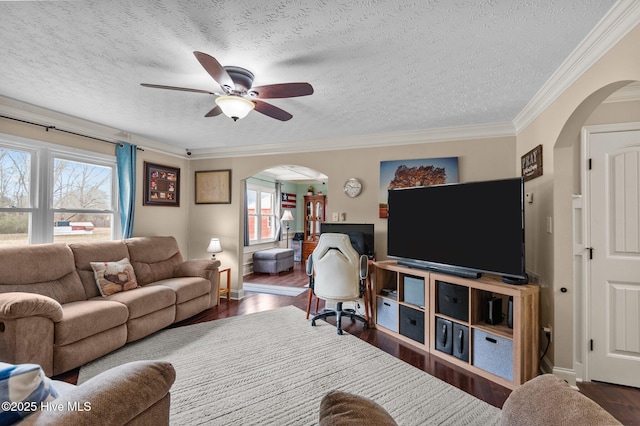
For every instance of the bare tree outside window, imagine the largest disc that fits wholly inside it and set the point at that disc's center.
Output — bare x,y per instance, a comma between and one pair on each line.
81,192
15,182
79,189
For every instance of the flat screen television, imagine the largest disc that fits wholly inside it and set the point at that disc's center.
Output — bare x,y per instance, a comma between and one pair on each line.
361,235
464,229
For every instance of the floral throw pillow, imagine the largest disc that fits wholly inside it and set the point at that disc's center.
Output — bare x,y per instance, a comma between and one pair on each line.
114,277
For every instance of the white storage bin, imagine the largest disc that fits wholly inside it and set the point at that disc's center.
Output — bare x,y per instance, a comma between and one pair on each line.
387,314
493,354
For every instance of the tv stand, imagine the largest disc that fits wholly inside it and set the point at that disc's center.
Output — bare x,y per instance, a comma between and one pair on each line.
449,317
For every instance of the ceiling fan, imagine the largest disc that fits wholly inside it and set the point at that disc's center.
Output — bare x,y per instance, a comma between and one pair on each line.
239,98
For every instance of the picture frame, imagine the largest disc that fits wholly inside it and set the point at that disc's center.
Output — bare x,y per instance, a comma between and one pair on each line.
161,185
213,187
397,174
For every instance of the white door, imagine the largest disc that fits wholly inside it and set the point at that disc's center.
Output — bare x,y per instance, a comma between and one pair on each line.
614,229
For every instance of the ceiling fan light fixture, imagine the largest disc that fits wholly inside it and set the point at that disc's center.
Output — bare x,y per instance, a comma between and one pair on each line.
234,107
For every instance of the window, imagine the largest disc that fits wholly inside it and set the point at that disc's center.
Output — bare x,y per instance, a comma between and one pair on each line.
50,193
15,196
261,214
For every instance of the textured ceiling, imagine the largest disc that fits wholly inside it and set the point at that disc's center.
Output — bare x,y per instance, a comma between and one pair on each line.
376,66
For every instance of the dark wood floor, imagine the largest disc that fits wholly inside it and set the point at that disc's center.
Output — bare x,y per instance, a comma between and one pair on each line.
620,401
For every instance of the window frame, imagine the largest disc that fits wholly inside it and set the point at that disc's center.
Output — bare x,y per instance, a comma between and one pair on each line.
43,156
259,190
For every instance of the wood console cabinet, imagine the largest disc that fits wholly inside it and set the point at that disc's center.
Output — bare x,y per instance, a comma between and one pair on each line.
314,215
447,316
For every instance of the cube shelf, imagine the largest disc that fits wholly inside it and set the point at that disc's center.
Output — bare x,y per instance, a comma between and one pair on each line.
453,321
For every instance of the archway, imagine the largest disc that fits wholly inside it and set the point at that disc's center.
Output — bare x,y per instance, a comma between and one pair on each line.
280,188
568,287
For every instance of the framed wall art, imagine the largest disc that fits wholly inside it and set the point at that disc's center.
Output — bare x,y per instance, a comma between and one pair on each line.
418,172
213,187
161,185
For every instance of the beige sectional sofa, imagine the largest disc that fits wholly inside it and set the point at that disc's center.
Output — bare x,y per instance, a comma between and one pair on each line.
114,398
53,314
545,400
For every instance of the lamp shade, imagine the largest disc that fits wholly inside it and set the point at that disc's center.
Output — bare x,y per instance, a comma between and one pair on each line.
287,215
234,106
214,246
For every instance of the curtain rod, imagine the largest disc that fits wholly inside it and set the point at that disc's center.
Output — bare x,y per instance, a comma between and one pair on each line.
47,128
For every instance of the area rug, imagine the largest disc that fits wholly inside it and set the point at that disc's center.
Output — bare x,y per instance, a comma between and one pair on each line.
279,290
273,368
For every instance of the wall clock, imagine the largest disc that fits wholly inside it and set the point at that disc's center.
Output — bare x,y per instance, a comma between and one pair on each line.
352,187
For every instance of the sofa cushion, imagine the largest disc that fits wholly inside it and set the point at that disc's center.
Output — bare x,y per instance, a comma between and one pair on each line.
549,400
144,300
127,394
153,258
95,251
46,269
186,288
345,409
26,386
114,277
86,318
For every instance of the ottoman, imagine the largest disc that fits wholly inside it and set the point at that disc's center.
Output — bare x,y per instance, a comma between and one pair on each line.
273,261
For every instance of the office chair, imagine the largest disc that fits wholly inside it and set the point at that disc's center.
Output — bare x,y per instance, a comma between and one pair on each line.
337,274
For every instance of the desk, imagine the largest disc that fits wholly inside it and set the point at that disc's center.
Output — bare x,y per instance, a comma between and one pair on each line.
227,289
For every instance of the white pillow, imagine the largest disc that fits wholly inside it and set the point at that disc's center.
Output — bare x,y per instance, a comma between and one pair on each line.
23,388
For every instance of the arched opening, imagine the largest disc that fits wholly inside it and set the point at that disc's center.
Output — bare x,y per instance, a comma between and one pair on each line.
274,217
569,298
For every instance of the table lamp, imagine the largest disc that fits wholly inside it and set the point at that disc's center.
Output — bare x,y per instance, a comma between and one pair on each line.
286,217
214,247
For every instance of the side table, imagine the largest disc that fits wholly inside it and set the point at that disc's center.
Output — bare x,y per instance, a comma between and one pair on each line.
227,289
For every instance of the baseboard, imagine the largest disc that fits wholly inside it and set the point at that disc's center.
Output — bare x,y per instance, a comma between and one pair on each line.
567,375
237,294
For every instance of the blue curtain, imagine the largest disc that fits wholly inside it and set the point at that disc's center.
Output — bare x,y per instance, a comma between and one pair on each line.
126,160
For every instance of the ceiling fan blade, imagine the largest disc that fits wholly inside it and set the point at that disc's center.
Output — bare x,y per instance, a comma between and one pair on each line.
284,90
182,89
215,111
272,111
215,70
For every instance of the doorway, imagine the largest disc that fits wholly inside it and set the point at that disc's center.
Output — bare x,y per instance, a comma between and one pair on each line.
290,184
611,184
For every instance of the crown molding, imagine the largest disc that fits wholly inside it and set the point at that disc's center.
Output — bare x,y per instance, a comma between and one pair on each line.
618,22
482,131
28,112
32,113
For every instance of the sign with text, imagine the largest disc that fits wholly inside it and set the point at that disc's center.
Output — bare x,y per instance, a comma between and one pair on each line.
532,163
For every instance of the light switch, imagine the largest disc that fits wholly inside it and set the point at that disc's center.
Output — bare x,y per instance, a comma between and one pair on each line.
549,225
529,197
343,217
334,216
